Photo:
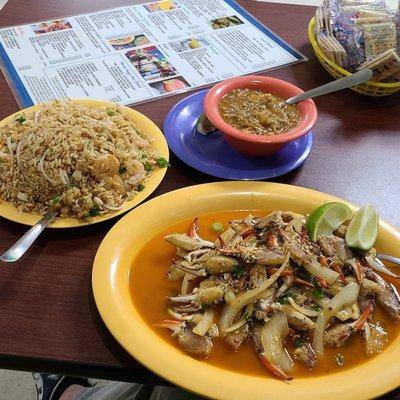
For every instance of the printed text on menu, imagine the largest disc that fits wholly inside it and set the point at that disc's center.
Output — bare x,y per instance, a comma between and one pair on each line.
136,53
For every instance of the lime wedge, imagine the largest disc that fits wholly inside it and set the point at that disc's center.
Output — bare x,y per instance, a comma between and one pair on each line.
363,228
204,125
326,218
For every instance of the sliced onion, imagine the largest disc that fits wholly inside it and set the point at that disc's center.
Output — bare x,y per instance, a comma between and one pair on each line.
352,312
229,296
272,336
346,297
10,147
316,269
230,311
41,170
178,316
335,288
378,265
36,116
303,310
18,153
182,299
112,208
213,331
235,326
367,331
205,323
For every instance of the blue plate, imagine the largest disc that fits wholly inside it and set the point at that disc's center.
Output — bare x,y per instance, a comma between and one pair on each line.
212,155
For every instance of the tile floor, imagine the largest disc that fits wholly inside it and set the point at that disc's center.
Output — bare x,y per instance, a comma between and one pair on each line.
16,386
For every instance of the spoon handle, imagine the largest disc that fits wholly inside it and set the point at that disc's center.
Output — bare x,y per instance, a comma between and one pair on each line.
15,252
386,257
343,83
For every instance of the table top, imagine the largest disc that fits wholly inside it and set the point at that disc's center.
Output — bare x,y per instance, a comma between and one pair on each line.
49,318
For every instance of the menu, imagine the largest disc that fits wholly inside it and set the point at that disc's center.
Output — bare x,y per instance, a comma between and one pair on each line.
136,53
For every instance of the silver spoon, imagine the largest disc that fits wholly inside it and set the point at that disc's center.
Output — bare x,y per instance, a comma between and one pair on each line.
15,252
343,83
387,257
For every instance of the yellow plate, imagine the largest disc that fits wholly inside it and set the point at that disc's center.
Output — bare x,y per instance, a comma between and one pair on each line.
110,281
142,123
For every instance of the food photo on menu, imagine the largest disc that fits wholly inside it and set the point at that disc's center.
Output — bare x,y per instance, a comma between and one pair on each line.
193,206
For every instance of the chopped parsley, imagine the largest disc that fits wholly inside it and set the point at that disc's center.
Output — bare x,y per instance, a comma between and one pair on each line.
55,200
140,187
217,226
284,299
122,169
237,271
318,293
298,342
144,155
94,211
339,358
21,118
110,113
148,167
246,316
162,162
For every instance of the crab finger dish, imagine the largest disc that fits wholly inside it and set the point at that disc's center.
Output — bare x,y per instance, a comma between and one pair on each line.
253,293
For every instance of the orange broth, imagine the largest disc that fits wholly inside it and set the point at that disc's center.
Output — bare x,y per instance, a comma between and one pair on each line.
149,287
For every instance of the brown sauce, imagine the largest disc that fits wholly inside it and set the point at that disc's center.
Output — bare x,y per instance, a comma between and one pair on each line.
258,112
149,286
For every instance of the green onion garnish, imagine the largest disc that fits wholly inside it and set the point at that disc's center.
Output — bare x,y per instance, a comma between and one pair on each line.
162,162
217,226
21,118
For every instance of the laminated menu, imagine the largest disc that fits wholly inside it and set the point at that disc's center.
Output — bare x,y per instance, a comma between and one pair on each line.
136,53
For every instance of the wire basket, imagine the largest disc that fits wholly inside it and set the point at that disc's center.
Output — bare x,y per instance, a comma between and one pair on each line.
369,88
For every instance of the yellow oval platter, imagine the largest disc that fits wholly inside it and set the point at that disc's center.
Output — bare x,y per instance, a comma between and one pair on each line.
110,280
145,125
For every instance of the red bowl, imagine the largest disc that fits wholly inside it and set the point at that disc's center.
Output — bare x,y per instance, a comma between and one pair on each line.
258,145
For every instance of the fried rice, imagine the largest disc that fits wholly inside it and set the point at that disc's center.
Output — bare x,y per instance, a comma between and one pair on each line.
80,160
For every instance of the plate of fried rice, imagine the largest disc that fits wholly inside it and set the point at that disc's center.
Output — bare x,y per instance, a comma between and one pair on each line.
90,160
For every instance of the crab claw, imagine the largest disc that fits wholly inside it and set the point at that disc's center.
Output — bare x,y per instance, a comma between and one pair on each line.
183,241
171,324
275,370
247,232
356,265
303,282
221,241
229,251
272,241
194,228
182,299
